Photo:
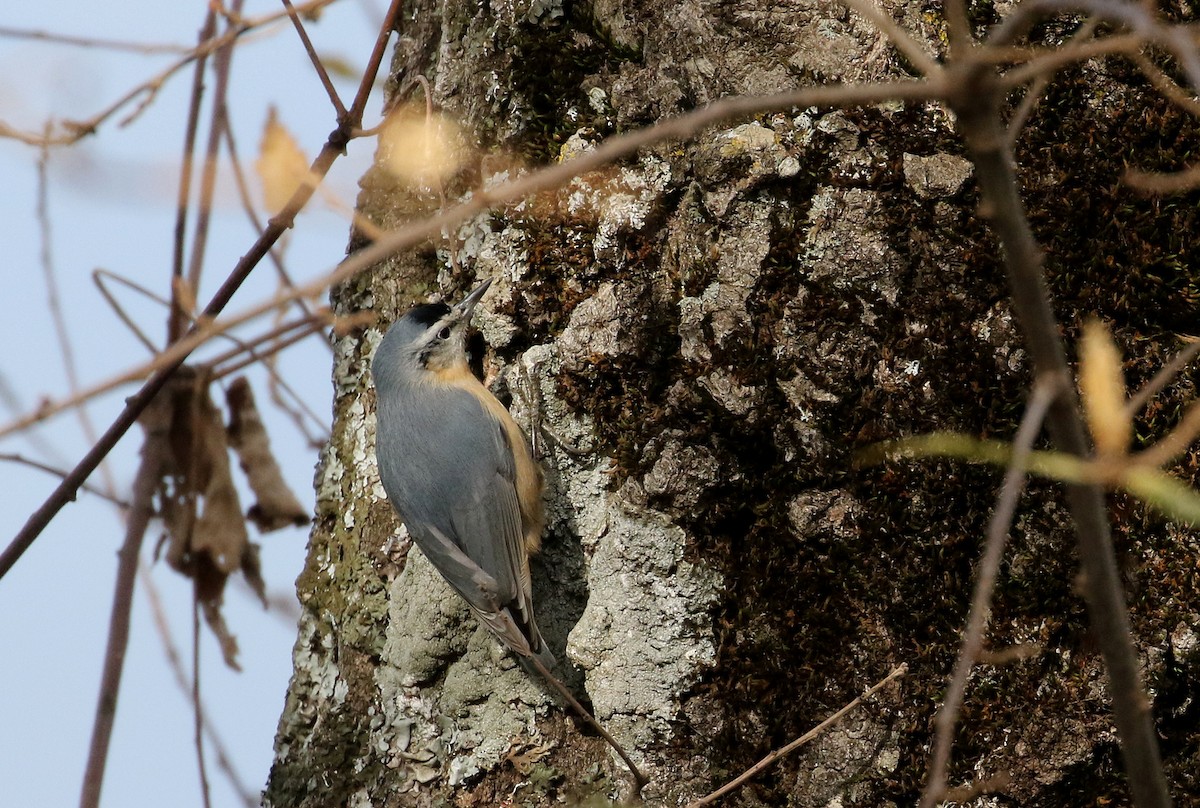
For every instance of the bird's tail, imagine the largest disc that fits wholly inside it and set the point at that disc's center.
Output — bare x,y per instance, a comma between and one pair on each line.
525,640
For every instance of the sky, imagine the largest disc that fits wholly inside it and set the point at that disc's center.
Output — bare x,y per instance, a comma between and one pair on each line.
110,200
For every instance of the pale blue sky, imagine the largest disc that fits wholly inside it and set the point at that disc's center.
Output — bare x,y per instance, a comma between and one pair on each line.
111,203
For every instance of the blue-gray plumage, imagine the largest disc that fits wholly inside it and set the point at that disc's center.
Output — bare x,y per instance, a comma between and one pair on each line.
458,470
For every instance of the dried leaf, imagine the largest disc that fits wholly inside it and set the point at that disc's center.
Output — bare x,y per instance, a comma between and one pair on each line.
220,532
207,537
1102,385
281,165
210,590
421,149
277,506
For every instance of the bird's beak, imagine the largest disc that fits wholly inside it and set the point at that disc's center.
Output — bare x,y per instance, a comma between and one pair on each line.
464,309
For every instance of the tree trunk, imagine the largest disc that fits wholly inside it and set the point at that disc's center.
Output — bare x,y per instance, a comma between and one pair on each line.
699,340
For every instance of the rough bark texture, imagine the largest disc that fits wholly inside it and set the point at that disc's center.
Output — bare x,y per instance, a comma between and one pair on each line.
701,338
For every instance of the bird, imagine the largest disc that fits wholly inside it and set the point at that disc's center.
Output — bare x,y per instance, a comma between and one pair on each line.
459,470
461,474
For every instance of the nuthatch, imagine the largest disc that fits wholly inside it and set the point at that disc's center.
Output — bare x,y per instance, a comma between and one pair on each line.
459,471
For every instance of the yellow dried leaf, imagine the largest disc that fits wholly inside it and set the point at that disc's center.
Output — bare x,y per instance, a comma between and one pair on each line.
282,165
421,149
1102,385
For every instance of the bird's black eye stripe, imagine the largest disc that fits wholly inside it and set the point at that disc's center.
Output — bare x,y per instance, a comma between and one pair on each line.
444,333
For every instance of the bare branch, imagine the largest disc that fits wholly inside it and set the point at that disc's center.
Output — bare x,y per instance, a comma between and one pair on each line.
186,166
222,63
91,42
1034,94
145,92
1045,389
1138,17
1168,372
1045,61
782,752
977,105
1175,442
912,50
60,324
154,460
322,73
98,276
304,326
12,457
1154,182
175,660
414,233
243,189
197,709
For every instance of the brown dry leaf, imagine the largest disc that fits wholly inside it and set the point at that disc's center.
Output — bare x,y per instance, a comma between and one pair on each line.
277,506
1102,385
207,536
421,149
220,532
281,165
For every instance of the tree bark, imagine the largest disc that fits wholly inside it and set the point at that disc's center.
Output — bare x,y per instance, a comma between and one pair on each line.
699,340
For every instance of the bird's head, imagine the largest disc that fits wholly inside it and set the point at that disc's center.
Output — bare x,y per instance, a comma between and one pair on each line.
427,343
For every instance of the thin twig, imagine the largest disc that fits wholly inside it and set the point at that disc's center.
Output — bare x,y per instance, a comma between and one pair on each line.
1165,85
1034,94
197,707
1044,391
1138,17
187,165
1161,379
12,402
222,64
13,457
551,176
154,458
302,329
322,73
183,681
304,325
451,239
247,200
98,276
1162,183
66,348
253,355
977,106
1053,59
1175,442
912,50
74,131
784,751
56,38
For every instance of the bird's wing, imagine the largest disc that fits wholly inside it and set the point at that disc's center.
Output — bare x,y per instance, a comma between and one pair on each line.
457,494
487,518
